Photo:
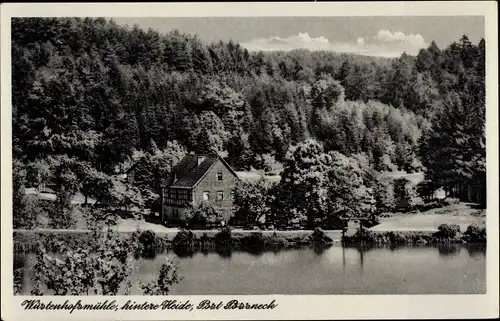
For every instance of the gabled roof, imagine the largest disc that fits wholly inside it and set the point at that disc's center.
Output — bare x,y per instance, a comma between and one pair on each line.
189,173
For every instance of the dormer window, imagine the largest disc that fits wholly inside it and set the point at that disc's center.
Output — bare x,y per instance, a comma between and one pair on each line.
219,176
200,159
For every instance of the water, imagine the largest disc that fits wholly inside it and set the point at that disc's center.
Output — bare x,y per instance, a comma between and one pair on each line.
456,269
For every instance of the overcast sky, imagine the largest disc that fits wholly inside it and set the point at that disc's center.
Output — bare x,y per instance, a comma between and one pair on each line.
375,36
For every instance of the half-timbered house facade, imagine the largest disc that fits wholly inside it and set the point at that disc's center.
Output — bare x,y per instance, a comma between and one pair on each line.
196,179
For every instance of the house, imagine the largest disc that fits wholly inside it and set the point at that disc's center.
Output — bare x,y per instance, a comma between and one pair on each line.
196,179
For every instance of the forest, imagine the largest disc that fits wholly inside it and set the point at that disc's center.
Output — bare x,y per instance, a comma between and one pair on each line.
91,97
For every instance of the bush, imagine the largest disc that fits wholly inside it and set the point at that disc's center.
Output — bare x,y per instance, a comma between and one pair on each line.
25,211
101,268
185,238
96,217
167,277
224,237
275,241
253,242
147,243
362,236
402,237
60,212
24,207
370,223
203,216
448,230
18,272
318,237
474,234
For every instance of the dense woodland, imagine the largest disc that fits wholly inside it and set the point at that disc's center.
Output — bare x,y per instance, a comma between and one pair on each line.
91,97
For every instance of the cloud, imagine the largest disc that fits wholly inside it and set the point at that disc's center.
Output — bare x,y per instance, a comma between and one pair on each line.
399,37
384,44
302,40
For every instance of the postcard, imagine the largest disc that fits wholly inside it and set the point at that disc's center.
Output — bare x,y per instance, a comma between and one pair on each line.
249,160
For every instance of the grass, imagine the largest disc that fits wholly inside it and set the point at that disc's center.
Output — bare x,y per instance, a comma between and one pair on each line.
462,214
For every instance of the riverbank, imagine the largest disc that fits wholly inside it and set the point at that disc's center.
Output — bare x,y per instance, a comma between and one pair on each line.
52,240
186,240
444,234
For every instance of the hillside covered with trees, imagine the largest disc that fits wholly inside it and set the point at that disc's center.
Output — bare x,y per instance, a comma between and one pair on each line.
91,97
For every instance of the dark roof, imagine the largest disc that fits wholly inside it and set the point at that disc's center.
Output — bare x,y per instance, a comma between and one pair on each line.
189,173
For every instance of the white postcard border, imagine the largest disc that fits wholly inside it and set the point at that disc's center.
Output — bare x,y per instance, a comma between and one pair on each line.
289,306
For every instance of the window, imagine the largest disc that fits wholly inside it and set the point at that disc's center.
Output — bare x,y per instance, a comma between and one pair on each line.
206,196
220,195
184,194
176,212
219,176
232,194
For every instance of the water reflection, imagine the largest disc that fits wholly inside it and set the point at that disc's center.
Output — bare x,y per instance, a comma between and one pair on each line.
224,252
151,254
184,252
444,250
254,251
448,249
343,258
319,249
476,250
368,269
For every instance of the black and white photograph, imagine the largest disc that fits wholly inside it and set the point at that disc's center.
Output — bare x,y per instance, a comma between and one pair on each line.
255,155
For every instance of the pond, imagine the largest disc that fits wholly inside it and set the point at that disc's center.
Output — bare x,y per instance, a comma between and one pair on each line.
450,269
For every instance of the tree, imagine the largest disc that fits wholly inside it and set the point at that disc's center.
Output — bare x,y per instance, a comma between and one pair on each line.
406,194
226,103
398,86
93,91
302,186
25,208
325,92
203,215
253,202
103,267
153,168
178,53
457,145
348,196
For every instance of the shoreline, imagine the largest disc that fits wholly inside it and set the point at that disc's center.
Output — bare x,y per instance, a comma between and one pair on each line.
247,240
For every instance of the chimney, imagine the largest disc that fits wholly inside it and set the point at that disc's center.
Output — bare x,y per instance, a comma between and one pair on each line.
200,159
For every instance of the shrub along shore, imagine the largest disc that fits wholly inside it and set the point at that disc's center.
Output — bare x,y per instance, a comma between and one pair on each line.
26,241
150,242
446,234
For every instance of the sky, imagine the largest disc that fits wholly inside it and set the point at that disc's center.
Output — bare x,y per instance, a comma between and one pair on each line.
374,36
